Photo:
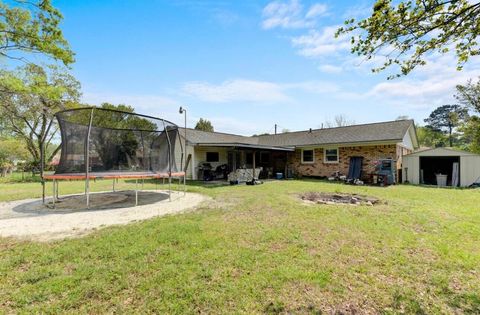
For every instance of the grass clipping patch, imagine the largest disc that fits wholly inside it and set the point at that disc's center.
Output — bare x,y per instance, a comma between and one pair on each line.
337,198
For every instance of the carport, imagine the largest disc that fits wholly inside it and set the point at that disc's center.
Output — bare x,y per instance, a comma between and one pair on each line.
422,167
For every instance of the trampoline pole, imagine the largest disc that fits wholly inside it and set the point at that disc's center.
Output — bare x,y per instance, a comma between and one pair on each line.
53,194
170,188
42,160
136,192
43,192
87,191
87,159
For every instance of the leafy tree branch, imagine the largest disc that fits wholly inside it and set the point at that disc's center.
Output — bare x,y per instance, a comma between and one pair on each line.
410,30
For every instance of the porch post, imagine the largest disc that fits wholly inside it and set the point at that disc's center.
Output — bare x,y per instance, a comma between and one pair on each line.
286,165
253,180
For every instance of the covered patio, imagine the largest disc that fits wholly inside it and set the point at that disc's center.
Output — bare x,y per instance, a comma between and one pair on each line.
247,161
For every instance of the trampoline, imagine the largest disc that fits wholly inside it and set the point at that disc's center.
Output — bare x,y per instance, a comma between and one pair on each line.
100,143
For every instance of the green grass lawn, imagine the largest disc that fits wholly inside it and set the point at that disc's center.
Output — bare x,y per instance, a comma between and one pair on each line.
258,249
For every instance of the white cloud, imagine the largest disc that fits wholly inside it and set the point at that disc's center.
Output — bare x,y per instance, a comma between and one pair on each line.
291,14
315,87
320,43
237,90
235,125
428,86
316,10
241,90
330,68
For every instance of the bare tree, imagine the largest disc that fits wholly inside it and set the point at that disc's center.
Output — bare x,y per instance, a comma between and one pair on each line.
340,120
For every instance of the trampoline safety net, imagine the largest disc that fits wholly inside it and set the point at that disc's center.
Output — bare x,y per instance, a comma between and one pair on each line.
115,142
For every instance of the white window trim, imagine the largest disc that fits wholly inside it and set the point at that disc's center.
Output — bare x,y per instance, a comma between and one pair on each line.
325,156
313,156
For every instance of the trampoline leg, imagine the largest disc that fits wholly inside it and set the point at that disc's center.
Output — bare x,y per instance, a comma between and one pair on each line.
136,192
87,192
43,191
170,189
53,194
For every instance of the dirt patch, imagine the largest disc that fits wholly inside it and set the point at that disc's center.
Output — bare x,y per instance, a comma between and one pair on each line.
337,198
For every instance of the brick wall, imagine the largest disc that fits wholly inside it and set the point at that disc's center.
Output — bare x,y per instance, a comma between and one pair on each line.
319,168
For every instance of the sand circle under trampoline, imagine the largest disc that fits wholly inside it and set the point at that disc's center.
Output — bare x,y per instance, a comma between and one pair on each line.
98,201
32,220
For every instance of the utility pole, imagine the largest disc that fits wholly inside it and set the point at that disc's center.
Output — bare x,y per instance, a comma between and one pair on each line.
275,128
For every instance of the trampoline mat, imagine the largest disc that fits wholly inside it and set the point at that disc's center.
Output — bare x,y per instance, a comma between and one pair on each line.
111,175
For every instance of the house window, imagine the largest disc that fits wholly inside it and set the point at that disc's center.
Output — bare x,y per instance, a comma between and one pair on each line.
331,155
213,157
308,156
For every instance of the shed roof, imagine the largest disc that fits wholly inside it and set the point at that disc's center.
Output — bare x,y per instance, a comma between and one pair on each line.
440,152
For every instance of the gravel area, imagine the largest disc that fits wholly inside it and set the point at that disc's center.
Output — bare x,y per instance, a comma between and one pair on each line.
30,219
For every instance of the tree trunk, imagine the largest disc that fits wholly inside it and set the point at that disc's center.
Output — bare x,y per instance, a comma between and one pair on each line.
450,136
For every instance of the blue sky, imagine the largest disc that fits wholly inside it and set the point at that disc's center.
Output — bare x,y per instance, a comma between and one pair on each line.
244,65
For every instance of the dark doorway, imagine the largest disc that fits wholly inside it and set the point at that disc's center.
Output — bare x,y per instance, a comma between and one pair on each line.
234,160
430,166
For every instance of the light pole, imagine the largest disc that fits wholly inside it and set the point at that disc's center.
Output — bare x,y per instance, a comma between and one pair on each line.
184,111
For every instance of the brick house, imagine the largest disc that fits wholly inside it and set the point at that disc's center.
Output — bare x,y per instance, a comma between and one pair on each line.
317,152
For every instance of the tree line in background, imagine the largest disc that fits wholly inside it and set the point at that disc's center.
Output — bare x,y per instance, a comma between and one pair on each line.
456,125
32,92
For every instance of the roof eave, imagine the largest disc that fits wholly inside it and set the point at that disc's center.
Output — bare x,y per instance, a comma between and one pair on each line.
348,144
248,146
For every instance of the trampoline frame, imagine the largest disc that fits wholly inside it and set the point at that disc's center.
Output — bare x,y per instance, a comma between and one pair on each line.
87,176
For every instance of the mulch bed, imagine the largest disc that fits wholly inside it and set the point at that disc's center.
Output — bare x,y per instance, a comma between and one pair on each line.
337,198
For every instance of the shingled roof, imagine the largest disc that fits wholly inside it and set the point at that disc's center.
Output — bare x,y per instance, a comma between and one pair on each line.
203,137
375,132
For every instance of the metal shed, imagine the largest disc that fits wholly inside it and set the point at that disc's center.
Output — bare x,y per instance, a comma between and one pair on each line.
421,167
